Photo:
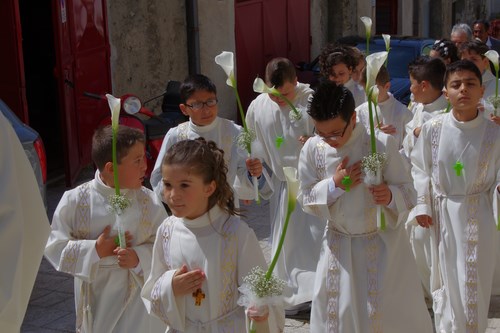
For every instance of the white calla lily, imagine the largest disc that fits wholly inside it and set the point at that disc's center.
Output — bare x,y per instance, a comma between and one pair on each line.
259,86
292,183
114,105
492,55
387,41
374,94
226,61
373,64
368,25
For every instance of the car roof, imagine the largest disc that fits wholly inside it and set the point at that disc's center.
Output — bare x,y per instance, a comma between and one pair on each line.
23,131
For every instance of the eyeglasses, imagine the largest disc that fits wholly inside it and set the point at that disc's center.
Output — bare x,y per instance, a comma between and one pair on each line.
199,105
333,137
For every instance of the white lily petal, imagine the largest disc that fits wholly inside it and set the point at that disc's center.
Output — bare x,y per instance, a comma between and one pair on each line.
387,40
292,184
374,93
368,24
114,105
226,61
492,55
373,64
259,86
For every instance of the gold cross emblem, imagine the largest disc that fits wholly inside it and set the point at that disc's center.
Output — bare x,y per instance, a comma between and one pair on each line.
198,297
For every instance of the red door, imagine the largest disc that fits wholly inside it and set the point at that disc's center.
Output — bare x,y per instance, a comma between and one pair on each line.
82,64
387,17
266,29
12,82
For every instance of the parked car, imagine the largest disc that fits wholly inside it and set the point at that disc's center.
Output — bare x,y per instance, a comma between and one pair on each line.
33,147
403,51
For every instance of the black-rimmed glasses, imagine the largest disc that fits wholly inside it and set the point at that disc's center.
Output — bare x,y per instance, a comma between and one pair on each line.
199,105
333,137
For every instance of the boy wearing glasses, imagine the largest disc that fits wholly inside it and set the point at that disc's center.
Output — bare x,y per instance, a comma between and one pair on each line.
199,101
282,137
366,278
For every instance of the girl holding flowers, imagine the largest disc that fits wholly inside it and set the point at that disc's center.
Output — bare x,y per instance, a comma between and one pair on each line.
203,252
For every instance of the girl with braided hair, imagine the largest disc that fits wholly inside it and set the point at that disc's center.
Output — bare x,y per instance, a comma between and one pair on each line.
204,250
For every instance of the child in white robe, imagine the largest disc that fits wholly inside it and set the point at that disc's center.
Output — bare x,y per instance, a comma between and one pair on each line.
203,252
282,138
456,163
108,279
337,63
366,280
392,114
199,101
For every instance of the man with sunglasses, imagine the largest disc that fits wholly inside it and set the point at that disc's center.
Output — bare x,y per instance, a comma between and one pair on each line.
199,101
366,278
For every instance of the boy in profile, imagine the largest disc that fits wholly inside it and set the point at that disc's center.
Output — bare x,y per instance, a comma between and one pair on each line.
455,170
108,279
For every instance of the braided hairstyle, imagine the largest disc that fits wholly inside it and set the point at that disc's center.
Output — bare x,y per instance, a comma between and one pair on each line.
206,160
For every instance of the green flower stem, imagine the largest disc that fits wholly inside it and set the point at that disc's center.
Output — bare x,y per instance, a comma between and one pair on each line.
376,114
121,233
289,211
372,125
382,220
248,144
498,222
287,101
252,328
448,107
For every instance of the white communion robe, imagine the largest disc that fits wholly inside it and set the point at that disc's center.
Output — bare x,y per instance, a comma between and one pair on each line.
357,92
226,250
107,297
24,229
463,208
390,112
420,237
300,253
223,132
366,279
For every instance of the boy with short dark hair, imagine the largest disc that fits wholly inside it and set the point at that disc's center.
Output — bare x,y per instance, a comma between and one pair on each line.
366,280
282,137
392,114
474,51
108,279
455,170
199,101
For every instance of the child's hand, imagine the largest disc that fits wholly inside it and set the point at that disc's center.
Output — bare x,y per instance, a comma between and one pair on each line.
354,172
258,314
127,258
388,129
303,139
495,119
416,131
381,194
254,166
105,245
186,282
425,221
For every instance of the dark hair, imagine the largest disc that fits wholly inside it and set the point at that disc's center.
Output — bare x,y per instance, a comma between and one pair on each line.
446,49
425,68
477,46
331,101
102,144
462,65
205,159
194,83
485,23
332,55
279,71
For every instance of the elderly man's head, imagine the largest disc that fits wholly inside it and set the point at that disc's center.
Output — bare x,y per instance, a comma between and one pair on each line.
460,33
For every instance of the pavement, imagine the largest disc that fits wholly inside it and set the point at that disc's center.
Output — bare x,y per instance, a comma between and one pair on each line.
51,308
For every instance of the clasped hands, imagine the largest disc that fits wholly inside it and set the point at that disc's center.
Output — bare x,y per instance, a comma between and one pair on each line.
106,246
381,193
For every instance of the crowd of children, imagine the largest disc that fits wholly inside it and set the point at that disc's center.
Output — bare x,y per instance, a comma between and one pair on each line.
438,194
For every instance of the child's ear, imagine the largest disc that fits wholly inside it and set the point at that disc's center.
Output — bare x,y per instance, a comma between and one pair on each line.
108,167
445,93
387,86
183,108
210,188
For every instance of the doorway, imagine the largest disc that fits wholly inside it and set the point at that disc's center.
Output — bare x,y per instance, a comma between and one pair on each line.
41,85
